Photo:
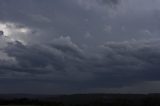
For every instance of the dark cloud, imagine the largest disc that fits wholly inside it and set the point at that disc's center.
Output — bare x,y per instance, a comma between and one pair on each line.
1,33
66,18
49,58
118,64
33,48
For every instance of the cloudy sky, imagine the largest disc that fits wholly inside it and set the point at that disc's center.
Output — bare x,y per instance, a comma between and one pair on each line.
79,46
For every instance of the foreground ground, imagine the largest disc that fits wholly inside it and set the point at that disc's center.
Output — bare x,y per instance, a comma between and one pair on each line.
81,100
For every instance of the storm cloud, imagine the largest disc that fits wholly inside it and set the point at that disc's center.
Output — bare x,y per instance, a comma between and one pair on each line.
116,64
77,46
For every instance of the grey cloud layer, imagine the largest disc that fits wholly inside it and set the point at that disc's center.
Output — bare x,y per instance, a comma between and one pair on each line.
50,19
62,46
118,64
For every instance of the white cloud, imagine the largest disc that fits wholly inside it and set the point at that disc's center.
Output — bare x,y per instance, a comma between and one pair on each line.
14,31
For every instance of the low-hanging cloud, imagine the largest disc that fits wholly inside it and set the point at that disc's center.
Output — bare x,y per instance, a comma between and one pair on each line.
60,44
118,64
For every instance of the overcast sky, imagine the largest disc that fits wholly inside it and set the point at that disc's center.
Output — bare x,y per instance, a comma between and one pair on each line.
79,46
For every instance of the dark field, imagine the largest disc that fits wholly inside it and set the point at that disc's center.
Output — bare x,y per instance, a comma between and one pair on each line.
81,100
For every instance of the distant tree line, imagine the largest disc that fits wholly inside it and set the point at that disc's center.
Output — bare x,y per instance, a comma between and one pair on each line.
88,100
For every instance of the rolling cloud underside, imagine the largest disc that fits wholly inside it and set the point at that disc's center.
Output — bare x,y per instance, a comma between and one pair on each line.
33,53
117,64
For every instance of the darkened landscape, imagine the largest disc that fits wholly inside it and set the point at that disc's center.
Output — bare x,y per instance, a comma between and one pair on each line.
82,100
80,52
